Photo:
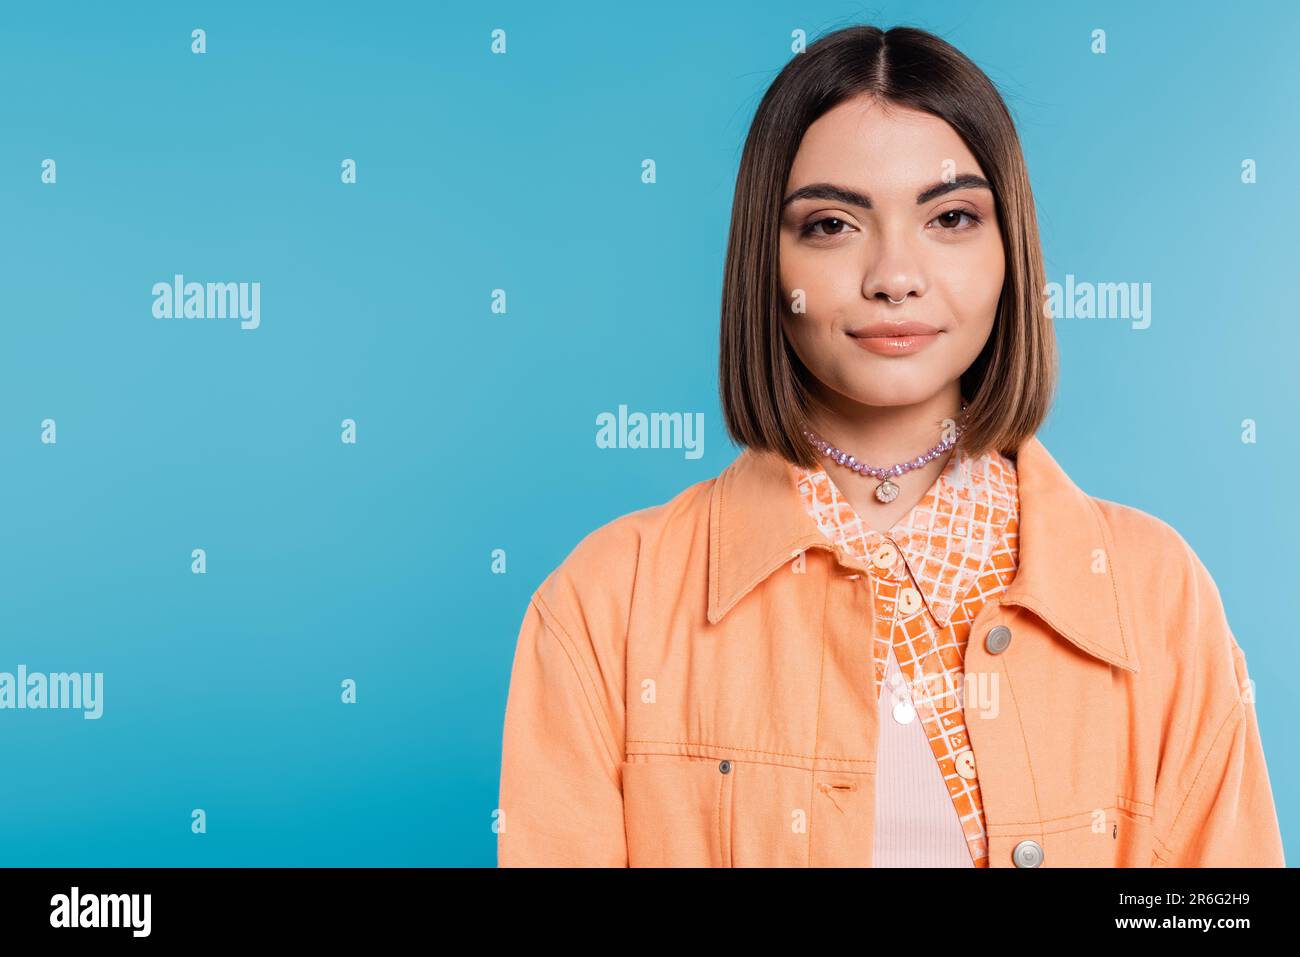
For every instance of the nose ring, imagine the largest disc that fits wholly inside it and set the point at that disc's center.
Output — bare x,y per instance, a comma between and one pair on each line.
897,302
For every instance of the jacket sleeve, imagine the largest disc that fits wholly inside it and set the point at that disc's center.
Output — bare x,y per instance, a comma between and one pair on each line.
1215,807
561,799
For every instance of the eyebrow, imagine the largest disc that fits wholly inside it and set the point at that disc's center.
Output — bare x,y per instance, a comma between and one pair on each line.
851,197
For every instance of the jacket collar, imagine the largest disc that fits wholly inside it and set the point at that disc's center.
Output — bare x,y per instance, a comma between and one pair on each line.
757,523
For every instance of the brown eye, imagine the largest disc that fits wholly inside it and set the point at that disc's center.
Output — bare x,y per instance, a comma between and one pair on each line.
952,217
834,227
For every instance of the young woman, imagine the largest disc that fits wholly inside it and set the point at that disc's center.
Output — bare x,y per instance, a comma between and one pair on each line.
892,632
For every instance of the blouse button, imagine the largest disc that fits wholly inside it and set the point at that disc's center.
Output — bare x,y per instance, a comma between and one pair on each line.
909,601
904,712
965,762
725,767
884,556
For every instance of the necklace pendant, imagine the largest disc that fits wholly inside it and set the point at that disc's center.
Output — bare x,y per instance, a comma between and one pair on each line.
886,491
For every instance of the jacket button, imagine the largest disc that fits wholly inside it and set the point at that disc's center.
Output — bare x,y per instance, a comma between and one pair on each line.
1027,854
725,767
997,639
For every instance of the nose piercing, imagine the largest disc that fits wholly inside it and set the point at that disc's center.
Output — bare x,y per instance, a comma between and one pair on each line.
896,302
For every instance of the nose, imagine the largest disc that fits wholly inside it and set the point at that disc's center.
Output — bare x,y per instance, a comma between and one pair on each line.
893,270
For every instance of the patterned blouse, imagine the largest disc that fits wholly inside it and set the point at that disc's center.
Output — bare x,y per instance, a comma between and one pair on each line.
930,574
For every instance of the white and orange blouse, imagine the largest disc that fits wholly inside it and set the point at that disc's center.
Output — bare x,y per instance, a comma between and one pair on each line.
929,575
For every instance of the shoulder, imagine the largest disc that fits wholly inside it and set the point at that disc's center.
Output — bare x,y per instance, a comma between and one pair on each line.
1141,540
1176,609
591,589
1157,563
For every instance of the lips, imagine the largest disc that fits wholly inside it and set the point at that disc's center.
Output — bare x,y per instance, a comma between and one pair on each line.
893,330
895,338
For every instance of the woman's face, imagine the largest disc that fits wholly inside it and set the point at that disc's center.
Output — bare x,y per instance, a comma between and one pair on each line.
886,201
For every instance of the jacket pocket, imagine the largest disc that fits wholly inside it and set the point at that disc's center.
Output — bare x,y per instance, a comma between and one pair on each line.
678,810
1116,836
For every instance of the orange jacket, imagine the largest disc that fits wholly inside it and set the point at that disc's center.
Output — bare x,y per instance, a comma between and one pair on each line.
692,686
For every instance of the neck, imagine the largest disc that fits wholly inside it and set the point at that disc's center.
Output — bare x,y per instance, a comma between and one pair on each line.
884,436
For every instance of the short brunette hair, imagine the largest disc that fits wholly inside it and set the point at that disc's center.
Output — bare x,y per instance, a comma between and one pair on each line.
763,383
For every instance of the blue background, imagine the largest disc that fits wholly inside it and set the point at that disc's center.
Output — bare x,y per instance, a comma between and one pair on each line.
476,430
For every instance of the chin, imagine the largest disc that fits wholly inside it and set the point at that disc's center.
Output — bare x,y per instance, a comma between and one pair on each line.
904,387
879,398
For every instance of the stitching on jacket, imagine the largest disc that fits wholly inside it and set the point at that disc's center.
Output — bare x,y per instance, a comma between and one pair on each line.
1238,708
1134,816
779,754
1139,807
792,765
717,818
1038,807
817,732
1111,552
1066,829
570,653
1066,817
1167,858
715,520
